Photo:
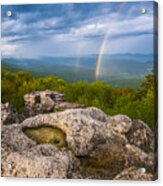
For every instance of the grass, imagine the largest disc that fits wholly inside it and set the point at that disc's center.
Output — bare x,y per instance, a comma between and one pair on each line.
47,135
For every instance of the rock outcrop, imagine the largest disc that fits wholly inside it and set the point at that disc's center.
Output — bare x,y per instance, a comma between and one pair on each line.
40,102
94,146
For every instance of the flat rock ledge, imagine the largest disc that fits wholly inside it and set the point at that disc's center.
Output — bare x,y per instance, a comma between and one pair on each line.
96,146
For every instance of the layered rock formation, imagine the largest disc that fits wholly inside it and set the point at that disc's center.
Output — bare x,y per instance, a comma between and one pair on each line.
79,143
40,102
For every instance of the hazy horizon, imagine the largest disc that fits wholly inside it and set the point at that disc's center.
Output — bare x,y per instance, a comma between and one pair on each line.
86,55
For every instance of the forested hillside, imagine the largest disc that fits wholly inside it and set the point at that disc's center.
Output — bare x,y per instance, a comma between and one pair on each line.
136,103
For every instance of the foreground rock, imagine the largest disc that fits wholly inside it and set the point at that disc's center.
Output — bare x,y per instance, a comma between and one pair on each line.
89,144
40,102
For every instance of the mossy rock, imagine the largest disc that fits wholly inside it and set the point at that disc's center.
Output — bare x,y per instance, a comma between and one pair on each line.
46,135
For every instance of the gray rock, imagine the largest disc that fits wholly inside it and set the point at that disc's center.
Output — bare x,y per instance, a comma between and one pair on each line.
42,102
9,114
48,104
47,101
141,136
120,123
97,147
42,161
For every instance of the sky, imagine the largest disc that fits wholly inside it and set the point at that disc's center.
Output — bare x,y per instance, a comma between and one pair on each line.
76,29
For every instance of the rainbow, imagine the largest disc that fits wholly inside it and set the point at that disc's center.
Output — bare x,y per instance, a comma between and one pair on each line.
99,58
104,42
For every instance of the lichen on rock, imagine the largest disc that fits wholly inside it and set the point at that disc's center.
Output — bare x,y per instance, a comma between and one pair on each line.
46,135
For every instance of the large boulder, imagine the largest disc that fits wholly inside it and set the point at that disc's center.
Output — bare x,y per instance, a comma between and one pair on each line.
76,143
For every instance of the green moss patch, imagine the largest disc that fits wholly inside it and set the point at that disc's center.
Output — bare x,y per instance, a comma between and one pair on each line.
46,135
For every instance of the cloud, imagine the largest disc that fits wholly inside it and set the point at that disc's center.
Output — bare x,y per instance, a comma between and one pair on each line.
9,49
40,28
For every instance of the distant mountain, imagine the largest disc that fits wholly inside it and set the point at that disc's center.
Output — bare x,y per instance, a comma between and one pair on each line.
136,57
9,67
125,67
126,56
111,67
